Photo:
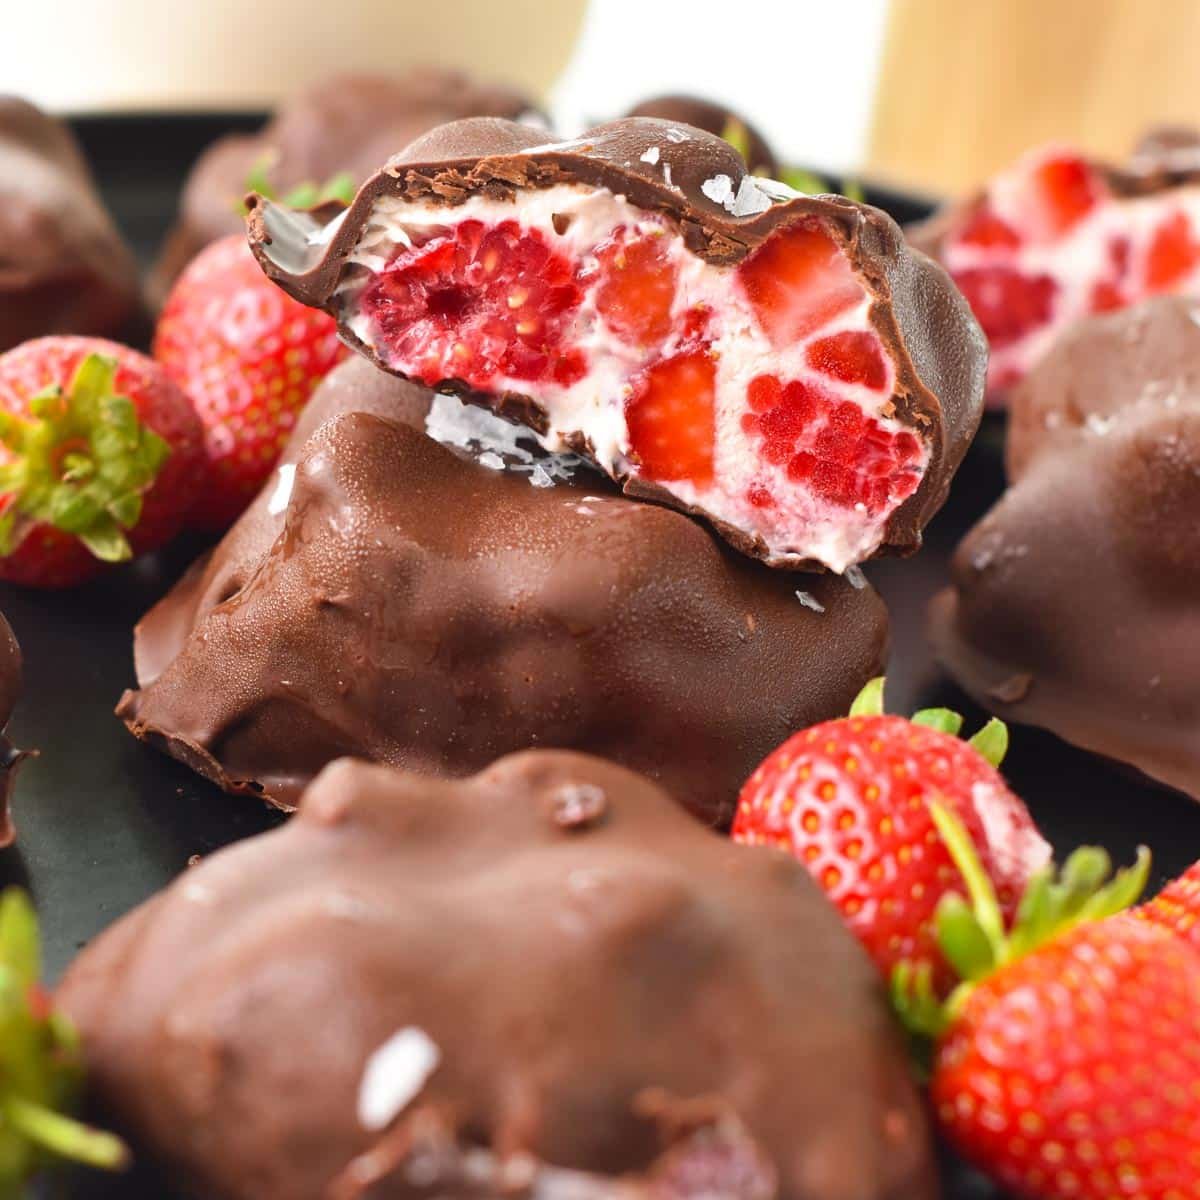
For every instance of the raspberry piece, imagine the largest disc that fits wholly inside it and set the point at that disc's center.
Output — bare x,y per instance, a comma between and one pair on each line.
637,287
1007,303
670,418
476,302
1068,189
853,357
1172,255
986,229
797,281
844,456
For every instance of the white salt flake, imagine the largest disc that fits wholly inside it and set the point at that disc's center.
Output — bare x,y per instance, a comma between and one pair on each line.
539,477
854,576
719,189
773,189
677,135
810,601
651,156
283,489
491,460
394,1076
667,175
750,198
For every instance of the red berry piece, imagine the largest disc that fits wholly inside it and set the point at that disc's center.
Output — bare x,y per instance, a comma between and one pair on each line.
636,290
1067,189
844,456
984,229
1177,906
852,357
1172,255
797,281
670,419
477,302
1007,303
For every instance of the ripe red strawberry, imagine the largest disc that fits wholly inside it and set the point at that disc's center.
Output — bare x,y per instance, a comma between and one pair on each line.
248,356
1065,1064
100,459
670,418
850,799
1177,906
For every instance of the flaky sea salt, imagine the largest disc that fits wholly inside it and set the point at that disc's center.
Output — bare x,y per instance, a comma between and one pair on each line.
750,199
651,156
394,1076
719,189
491,460
810,601
854,576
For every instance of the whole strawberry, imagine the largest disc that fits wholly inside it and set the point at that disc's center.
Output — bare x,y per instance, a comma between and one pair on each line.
1065,1064
1177,906
100,459
850,799
248,356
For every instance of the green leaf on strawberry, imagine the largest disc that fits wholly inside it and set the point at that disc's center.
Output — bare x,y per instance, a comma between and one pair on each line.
80,461
972,933
40,1064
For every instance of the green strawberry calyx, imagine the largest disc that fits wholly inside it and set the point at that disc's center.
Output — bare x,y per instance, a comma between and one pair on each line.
340,187
40,1063
971,931
990,742
81,461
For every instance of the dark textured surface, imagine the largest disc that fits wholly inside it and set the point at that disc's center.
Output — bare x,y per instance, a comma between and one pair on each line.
104,822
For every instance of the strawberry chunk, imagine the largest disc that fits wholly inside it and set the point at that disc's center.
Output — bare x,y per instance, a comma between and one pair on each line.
987,230
1007,303
670,419
1172,255
798,280
637,287
477,302
853,357
1067,189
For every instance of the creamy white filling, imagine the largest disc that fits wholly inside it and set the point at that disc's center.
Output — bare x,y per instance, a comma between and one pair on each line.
1077,260
801,525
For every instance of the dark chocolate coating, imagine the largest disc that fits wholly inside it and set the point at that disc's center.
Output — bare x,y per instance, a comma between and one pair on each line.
713,118
63,265
592,966
417,609
346,123
926,326
1076,601
10,757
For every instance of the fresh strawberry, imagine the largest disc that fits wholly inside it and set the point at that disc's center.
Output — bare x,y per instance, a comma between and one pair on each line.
1177,906
1067,188
670,418
1172,255
1064,1064
248,356
100,458
850,799
637,287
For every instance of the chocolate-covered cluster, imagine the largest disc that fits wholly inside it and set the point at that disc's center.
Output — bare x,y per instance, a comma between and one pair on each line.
415,604
1076,601
542,981
63,265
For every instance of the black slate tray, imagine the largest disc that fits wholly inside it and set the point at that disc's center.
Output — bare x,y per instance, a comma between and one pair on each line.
105,822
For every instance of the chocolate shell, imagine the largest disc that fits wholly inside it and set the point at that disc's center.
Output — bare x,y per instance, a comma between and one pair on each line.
388,598
347,123
712,118
545,973
63,265
690,186
1075,602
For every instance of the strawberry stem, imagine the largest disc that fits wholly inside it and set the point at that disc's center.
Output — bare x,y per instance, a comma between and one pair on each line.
944,720
66,1137
80,462
991,741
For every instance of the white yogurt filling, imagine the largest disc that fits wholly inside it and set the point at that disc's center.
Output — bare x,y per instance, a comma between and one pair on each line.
801,524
